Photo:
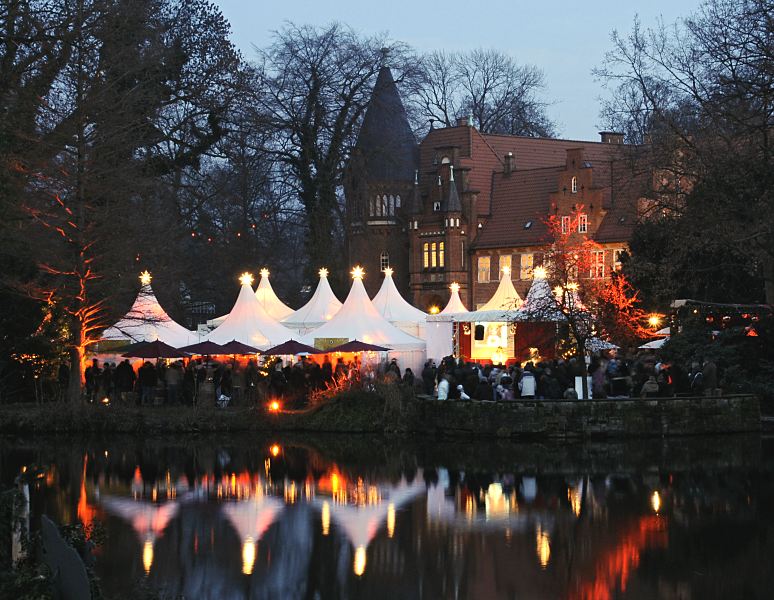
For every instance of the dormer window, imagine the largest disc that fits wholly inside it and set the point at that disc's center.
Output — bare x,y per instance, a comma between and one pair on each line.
436,206
574,185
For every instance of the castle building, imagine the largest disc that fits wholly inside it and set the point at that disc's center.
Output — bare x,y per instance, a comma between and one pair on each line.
461,205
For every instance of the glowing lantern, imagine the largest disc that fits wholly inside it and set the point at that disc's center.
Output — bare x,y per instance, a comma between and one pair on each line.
390,520
145,278
360,561
326,518
655,501
147,555
358,272
248,555
246,278
543,544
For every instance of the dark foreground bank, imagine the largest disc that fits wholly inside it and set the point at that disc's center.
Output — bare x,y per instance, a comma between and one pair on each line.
387,412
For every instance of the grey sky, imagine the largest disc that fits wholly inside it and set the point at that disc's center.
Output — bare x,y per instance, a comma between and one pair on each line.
565,39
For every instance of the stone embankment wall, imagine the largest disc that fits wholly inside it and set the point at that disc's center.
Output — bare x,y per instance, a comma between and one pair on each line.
589,419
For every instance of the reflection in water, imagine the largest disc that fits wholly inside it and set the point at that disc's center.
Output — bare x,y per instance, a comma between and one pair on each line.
245,520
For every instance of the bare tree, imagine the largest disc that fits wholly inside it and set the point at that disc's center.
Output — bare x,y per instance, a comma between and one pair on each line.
500,95
701,93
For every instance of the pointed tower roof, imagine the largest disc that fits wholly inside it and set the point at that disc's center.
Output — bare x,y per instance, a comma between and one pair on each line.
453,203
506,297
392,306
455,305
269,301
322,307
249,323
146,321
386,142
358,319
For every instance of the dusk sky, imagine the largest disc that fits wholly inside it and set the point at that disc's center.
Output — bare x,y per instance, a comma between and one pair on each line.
566,40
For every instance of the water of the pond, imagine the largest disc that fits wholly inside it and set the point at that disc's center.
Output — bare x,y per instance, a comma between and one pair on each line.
348,517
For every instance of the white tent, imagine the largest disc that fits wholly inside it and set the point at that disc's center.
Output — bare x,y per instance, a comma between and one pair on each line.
251,518
277,309
358,319
393,307
440,328
249,323
361,523
146,321
655,344
505,297
540,303
321,308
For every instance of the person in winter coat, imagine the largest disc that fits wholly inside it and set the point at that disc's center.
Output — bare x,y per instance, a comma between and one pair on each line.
650,388
443,388
527,385
428,378
709,374
148,379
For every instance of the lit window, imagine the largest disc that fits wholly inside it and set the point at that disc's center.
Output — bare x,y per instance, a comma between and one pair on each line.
583,223
384,261
597,270
384,212
483,269
565,225
505,261
433,256
574,185
527,261
397,201
441,254
426,255
617,255
391,206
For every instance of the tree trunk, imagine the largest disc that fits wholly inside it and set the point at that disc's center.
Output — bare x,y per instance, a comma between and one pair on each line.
76,375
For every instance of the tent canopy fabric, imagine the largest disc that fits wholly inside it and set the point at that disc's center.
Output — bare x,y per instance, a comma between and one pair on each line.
235,347
156,349
358,319
505,297
265,295
292,347
147,321
392,306
455,305
655,344
358,346
595,344
540,303
321,308
203,348
250,324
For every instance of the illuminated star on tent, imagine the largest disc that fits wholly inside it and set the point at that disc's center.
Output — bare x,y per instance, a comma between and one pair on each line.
264,272
145,278
539,273
358,272
323,272
246,278
506,270
454,287
388,271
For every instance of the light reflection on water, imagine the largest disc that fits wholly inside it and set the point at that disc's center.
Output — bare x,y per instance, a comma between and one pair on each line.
245,518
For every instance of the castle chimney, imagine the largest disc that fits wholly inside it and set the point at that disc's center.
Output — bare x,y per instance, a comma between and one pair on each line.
463,121
508,163
611,137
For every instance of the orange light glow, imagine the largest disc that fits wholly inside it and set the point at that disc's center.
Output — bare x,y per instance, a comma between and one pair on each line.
654,321
248,556
147,555
274,406
360,561
145,278
275,450
434,310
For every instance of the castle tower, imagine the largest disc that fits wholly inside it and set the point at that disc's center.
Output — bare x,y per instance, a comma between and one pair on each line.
379,187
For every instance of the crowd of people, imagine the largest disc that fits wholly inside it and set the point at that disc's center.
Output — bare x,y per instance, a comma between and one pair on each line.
643,376
205,380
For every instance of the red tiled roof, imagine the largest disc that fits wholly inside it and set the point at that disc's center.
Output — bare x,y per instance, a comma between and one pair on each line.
516,200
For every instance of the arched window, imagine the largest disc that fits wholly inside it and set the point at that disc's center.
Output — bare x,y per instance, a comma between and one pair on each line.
574,185
391,206
426,255
384,261
441,254
372,207
397,201
384,212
